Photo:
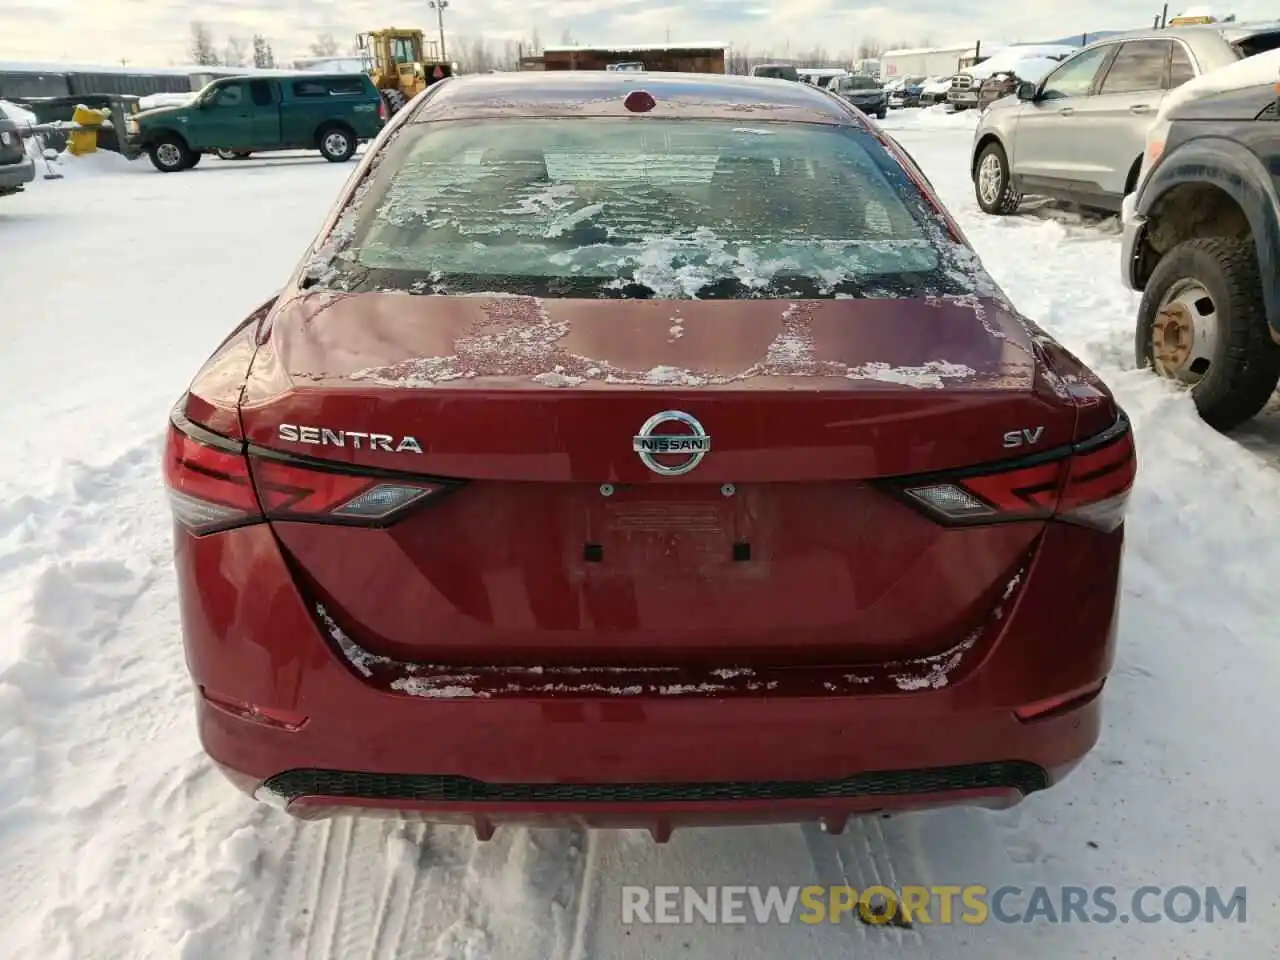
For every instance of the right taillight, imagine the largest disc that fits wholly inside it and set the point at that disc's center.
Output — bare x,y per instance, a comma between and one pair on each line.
216,484
1086,484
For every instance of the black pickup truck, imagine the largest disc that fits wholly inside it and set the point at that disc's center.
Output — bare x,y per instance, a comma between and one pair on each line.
1202,244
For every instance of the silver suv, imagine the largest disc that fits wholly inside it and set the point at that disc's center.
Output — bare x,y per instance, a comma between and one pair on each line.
1079,134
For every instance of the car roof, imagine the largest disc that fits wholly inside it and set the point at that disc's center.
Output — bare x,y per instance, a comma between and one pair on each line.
294,75
1231,31
601,93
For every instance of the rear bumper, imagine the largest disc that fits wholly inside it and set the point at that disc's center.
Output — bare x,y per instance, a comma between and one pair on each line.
15,175
334,731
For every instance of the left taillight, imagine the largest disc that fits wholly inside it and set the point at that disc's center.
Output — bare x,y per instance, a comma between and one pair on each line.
217,483
383,112
208,481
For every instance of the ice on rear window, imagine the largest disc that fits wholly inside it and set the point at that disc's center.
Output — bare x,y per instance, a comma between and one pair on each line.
618,208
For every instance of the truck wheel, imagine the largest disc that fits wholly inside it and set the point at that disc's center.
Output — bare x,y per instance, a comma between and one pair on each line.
170,154
337,144
992,182
1202,323
232,154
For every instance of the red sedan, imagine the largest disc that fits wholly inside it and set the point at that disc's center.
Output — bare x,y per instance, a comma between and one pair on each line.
644,450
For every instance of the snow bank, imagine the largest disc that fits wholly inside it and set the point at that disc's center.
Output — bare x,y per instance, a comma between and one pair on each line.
1033,69
1263,68
96,164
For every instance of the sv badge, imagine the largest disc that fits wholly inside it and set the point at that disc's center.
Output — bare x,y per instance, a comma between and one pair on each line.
1023,438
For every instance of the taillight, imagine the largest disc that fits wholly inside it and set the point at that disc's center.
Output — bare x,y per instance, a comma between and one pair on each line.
214,485
208,480
383,112
292,490
1086,484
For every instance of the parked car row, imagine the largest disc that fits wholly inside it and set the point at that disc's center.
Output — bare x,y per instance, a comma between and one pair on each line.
1177,129
864,91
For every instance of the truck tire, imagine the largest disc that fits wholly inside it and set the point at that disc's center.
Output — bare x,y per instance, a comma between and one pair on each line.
337,143
992,183
1202,323
170,154
232,154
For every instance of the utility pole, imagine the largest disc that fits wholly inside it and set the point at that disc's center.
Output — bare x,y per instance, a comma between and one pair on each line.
438,6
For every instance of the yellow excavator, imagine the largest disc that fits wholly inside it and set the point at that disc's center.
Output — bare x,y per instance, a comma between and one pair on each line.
401,64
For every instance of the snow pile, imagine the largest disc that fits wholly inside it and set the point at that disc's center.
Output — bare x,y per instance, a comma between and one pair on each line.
1032,69
97,164
1018,58
1252,71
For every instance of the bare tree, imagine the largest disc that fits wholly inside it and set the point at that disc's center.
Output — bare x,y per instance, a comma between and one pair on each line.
325,46
237,52
566,38
535,43
869,48
203,51
263,56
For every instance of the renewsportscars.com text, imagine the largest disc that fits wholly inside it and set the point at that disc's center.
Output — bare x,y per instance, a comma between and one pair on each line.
939,904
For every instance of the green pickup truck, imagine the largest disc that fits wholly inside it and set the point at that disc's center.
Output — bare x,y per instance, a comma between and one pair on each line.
237,116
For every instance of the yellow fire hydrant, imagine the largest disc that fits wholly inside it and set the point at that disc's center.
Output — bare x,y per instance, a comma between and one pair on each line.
85,139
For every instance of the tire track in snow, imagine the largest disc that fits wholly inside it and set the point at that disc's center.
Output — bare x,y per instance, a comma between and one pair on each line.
522,893
279,926
585,901
407,854
346,888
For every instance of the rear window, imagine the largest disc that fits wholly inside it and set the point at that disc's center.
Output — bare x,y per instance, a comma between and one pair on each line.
862,83
1258,43
640,208
344,87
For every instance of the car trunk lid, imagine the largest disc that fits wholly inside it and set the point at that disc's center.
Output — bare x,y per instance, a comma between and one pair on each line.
562,546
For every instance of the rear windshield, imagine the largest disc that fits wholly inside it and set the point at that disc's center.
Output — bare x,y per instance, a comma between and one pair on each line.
1258,43
640,208
862,83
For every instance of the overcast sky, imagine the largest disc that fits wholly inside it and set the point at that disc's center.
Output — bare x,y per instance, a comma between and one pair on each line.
156,32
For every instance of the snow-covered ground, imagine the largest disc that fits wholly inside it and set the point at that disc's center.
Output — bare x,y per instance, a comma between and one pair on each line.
118,840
